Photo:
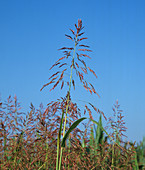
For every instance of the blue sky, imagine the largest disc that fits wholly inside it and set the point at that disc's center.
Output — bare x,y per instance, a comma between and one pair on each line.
31,31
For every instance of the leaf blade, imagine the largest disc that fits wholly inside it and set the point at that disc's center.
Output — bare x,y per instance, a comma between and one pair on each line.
72,127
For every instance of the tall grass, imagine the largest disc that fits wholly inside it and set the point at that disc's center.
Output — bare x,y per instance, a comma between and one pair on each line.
50,138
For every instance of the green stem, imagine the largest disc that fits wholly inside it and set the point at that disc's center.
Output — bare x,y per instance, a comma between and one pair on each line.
113,156
58,140
57,161
68,101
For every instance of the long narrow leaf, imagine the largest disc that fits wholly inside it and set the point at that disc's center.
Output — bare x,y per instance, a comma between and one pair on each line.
73,126
99,133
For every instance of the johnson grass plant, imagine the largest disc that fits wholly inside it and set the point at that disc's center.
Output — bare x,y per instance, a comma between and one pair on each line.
50,137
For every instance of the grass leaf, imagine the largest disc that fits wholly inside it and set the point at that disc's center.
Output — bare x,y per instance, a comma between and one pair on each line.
73,126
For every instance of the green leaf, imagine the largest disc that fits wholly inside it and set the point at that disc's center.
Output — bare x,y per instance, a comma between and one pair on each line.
91,137
83,143
99,133
73,126
60,129
100,126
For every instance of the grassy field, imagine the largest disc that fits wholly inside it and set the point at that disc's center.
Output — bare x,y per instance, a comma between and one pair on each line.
50,138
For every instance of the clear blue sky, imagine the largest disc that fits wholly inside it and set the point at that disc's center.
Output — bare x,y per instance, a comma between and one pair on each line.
31,31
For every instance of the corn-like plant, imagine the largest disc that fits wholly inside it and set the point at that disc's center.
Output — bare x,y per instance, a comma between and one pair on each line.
75,55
